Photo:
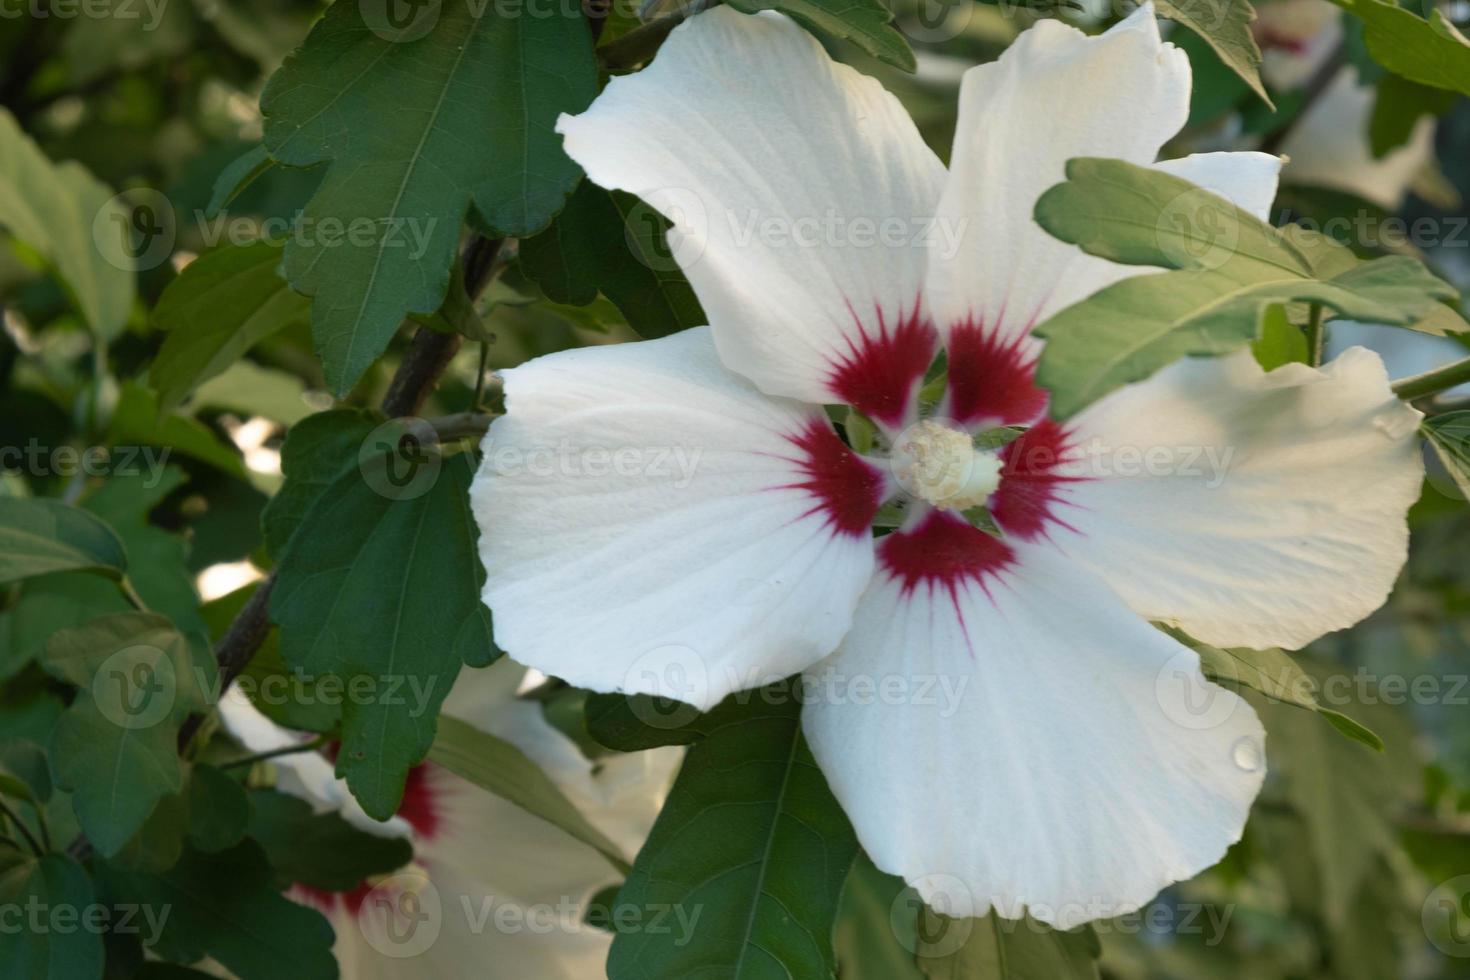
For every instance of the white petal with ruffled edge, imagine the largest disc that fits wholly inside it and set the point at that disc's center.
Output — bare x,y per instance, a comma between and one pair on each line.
1057,754
493,883
1054,94
1329,146
798,188
1251,509
720,541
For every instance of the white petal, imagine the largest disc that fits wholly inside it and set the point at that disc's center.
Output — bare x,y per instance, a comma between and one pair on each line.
1330,146
1296,38
650,522
1251,509
491,882
1039,747
1245,178
1054,94
798,189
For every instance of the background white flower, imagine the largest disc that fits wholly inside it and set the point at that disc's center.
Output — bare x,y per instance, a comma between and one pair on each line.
493,884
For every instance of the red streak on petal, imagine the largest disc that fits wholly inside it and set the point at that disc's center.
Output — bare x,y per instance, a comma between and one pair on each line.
991,380
880,372
420,808
1031,480
945,551
848,490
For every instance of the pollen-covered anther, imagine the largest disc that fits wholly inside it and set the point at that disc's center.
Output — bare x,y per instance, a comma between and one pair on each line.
940,465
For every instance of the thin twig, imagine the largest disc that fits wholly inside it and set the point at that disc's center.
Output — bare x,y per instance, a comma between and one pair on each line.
250,760
641,43
25,831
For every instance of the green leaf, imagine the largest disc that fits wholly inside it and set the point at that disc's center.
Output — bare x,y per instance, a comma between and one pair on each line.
1443,852
226,906
318,450
283,696
634,722
1348,799
1398,105
497,766
1230,269
221,305
1275,674
71,221
1226,26
247,389
24,762
159,843
1281,341
239,174
1449,434
320,850
116,747
866,23
1137,215
1354,730
48,603
613,244
1004,949
42,536
1431,52
138,421
877,931
752,838
158,559
420,125
56,885
219,810
347,598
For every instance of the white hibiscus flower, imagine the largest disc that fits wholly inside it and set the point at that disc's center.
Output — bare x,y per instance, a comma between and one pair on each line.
1071,775
491,883
1329,145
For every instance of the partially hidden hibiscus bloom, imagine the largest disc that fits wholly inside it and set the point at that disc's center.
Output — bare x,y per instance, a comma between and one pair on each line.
1329,146
489,882
679,517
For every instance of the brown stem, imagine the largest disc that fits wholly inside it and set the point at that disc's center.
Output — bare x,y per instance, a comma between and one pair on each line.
429,353
639,45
